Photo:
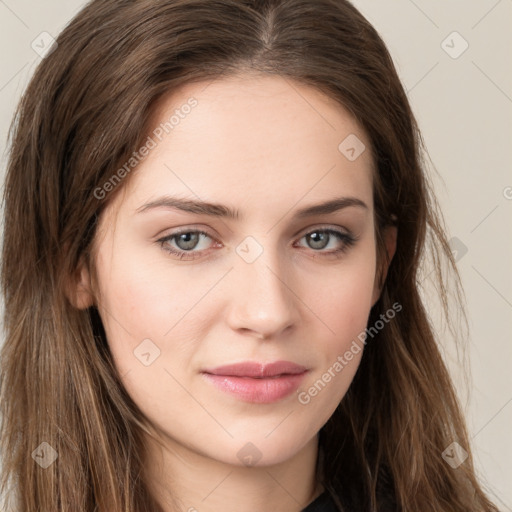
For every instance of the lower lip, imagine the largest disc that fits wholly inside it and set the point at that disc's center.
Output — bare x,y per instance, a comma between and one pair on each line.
260,391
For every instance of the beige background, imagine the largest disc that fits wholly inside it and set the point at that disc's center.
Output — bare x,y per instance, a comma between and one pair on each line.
463,102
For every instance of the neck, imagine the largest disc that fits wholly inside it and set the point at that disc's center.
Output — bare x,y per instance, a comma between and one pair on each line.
183,480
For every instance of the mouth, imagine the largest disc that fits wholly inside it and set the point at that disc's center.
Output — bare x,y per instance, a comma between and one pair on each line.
257,370
255,382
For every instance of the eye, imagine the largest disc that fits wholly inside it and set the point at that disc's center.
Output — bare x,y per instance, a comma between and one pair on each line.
186,244
190,244
333,240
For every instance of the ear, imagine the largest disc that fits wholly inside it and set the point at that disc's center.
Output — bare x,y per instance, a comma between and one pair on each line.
390,236
79,287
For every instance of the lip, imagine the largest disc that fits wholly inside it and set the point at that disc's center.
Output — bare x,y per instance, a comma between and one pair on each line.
257,370
257,382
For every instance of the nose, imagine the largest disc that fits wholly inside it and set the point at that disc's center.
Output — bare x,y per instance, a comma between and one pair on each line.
262,301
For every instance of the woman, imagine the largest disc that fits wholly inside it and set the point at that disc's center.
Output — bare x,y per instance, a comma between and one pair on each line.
215,218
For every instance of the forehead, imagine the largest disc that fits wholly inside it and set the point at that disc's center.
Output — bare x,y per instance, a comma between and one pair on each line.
248,138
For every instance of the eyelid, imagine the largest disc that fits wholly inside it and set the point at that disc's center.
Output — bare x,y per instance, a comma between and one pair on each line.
299,234
323,227
181,254
199,231
192,255
164,233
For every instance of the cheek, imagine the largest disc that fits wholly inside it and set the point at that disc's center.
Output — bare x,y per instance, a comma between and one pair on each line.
343,307
131,302
146,299
344,299
140,295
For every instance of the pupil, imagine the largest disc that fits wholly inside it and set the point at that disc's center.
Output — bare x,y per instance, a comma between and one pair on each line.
187,241
318,240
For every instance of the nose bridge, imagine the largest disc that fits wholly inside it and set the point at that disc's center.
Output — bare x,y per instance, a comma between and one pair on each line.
263,301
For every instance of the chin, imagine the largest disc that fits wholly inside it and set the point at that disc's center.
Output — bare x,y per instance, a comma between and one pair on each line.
258,451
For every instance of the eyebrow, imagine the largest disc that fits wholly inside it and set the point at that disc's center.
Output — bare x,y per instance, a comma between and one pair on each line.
223,211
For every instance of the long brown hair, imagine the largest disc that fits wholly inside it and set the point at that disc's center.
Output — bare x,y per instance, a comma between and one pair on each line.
82,116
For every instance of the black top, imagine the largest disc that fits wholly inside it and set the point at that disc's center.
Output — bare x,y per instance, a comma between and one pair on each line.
324,503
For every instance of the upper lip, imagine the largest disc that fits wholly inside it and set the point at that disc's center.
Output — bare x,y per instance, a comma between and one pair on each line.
257,370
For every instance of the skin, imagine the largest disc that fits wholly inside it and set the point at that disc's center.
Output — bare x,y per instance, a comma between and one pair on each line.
266,147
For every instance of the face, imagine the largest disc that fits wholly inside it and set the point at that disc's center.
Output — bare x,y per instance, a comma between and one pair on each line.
244,238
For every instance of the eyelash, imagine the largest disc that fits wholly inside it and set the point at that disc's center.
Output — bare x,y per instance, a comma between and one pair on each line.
347,239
